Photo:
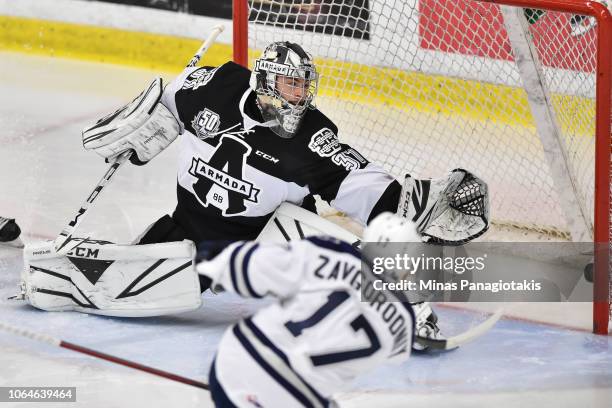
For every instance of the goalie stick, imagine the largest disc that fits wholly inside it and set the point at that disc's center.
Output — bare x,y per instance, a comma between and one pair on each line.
451,343
97,354
218,29
65,236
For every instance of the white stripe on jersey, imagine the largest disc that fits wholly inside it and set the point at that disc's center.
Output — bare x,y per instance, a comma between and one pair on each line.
376,180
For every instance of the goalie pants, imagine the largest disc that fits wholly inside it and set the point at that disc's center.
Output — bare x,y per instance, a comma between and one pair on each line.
166,229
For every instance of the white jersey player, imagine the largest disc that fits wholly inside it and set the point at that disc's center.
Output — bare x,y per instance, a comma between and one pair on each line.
328,326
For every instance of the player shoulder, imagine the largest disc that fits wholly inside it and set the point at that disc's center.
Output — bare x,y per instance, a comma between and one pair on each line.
320,134
315,121
224,75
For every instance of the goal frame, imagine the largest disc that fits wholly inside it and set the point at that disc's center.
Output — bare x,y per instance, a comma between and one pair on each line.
603,112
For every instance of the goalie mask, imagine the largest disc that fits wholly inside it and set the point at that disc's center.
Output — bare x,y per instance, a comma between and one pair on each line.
285,80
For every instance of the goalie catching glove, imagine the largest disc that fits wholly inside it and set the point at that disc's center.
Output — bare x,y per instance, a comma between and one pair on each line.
144,126
452,210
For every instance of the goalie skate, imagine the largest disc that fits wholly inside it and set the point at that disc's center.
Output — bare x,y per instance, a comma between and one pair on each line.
426,325
9,233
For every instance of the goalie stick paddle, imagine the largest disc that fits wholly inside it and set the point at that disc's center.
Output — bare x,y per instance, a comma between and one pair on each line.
463,338
90,352
65,236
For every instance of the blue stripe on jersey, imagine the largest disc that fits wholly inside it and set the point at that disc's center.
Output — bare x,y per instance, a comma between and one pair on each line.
297,394
268,343
335,245
264,339
217,393
233,266
245,271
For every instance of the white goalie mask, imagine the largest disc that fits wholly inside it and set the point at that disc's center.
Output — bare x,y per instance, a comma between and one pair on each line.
285,80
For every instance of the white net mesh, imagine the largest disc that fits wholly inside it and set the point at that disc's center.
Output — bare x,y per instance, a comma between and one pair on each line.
424,86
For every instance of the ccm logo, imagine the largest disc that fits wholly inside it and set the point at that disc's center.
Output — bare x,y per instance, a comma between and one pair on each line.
266,156
84,252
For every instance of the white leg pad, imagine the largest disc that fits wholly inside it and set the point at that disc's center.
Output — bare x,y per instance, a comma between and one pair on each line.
291,222
113,280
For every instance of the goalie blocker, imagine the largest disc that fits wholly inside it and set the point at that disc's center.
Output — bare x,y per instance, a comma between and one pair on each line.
144,126
115,280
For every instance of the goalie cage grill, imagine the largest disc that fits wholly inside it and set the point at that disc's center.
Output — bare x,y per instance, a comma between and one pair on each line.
422,85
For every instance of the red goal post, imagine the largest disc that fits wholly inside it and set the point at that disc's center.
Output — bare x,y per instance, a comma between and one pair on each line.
596,193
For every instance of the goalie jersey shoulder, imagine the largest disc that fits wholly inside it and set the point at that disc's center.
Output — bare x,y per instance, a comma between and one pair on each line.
205,86
319,139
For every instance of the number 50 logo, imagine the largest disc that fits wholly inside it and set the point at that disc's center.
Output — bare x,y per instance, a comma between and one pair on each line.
206,124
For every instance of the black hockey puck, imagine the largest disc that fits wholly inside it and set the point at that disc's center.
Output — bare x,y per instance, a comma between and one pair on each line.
10,231
588,272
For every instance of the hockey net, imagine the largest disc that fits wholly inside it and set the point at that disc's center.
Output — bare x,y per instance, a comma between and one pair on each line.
424,86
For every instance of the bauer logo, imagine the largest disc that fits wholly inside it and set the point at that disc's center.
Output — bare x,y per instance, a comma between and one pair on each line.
274,67
324,143
199,77
206,124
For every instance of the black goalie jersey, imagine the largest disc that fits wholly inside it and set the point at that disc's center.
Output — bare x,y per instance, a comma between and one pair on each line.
234,171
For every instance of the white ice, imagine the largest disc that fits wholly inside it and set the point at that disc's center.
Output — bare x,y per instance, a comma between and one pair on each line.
45,174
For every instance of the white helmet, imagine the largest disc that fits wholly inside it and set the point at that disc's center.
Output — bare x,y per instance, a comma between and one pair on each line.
389,227
389,235
285,80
